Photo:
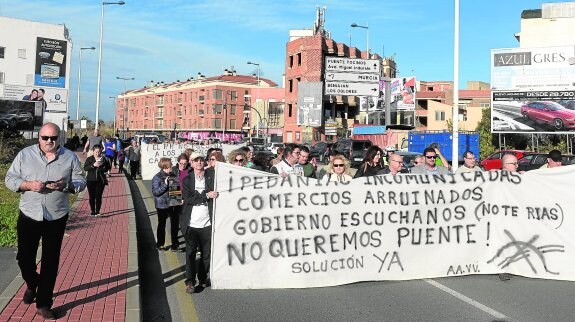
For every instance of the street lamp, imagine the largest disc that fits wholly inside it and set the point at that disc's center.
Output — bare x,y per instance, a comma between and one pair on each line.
258,89
125,110
79,78
366,27
247,98
100,59
115,110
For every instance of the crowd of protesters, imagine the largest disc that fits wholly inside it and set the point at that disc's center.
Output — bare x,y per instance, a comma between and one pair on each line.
183,192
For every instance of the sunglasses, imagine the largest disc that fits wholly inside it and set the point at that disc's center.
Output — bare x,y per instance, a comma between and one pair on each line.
198,160
45,138
338,165
431,156
239,160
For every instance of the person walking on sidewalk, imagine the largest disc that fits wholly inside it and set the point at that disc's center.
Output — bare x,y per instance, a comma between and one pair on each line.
109,152
93,140
44,175
118,145
195,221
133,154
96,167
166,206
121,160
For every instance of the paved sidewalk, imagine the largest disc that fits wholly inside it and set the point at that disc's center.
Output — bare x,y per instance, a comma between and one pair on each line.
98,275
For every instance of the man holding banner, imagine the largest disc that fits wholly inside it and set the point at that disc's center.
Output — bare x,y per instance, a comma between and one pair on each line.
196,221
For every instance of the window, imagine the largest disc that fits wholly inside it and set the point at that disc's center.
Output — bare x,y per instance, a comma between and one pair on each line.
22,53
1,77
290,108
233,109
299,59
483,105
290,61
234,96
297,136
217,108
440,116
2,50
291,85
217,123
232,124
217,94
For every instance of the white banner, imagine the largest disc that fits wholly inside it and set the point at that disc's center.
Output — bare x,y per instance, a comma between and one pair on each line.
151,154
533,69
273,232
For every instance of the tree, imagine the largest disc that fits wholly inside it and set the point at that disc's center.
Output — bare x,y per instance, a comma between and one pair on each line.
486,138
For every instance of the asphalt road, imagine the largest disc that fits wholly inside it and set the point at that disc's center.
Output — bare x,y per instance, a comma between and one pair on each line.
467,298
8,267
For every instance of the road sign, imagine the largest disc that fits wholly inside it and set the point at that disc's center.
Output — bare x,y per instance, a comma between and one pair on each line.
352,77
351,89
339,64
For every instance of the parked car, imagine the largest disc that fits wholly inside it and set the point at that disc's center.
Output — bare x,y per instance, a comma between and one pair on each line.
493,161
354,150
320,151
262,149
408,158
532,161
551,113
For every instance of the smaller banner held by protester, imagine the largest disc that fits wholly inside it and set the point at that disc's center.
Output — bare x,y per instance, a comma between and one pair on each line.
295,232
152,153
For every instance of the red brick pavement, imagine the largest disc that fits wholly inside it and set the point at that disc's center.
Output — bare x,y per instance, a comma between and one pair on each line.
92,280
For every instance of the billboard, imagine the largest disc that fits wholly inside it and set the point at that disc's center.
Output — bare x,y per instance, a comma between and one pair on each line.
52,99
533,111
50,62
20,115
403,94
533,90
309,103
531,69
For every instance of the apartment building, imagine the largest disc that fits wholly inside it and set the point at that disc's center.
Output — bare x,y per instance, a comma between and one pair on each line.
306,51
435,101
228,106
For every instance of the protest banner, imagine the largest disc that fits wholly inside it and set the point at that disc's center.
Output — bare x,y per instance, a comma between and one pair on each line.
295,232
151,154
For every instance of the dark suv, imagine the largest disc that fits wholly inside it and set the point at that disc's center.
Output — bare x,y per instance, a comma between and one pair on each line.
354,150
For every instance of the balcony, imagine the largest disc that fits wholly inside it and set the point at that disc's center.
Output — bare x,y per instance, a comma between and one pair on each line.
160,102
159,115
180,101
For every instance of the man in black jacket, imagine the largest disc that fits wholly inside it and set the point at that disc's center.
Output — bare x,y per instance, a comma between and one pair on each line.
196,220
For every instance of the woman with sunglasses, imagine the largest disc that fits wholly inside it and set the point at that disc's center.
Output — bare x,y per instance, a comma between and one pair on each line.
214,158
338,169
372,162
238,157
96,167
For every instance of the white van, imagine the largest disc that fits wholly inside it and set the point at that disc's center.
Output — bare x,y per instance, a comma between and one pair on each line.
148,137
